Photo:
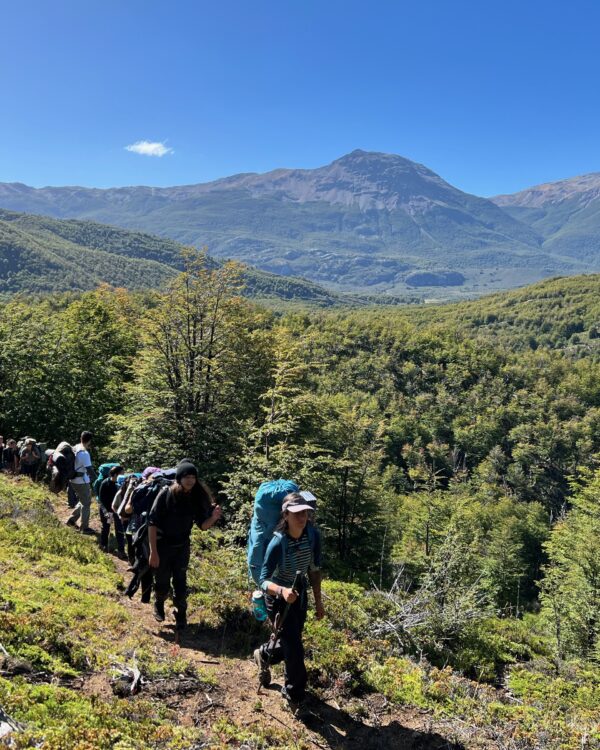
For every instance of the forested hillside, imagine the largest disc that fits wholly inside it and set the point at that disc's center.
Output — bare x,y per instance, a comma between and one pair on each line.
453,450
40,255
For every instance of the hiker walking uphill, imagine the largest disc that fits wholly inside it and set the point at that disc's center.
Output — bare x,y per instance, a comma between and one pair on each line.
29,458
106,495
177,508
81,483
295,548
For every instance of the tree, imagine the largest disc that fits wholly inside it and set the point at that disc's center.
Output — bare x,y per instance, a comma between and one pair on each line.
571,584
198,373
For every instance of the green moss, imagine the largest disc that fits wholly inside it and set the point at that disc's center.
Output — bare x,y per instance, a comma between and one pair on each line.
59,594
399,680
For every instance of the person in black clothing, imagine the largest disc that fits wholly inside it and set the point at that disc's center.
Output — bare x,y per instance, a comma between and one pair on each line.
10,456
29,458
175,511
106,495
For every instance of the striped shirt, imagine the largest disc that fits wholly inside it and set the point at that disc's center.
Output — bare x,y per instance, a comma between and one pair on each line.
285,556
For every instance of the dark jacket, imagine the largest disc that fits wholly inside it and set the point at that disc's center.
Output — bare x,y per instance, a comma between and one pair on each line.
106,493
175,514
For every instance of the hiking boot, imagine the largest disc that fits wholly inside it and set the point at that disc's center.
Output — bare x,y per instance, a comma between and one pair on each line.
180,620
159,611
294,703
70,522
88,532
264,673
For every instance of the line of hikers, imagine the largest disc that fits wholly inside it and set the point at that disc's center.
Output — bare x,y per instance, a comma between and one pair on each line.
153,513
20,457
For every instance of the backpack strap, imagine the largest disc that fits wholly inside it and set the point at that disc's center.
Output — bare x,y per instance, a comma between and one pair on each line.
312,539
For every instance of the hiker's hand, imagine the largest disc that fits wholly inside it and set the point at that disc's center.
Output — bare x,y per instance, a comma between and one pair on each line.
217,513
289,595
154,560
320,610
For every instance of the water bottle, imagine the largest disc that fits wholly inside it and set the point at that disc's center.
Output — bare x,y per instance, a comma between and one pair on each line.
259,608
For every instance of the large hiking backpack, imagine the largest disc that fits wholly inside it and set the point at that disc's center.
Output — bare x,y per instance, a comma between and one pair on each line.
103,472
144,496
267,512
63,467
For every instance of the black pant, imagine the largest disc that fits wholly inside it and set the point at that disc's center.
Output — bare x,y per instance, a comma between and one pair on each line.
174,561
29,470
289,647
106,516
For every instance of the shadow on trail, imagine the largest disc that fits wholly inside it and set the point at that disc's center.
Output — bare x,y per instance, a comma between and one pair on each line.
340,731
213,642
236,639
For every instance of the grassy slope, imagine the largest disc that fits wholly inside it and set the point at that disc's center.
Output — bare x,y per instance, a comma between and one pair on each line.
61,611
62,617
570,228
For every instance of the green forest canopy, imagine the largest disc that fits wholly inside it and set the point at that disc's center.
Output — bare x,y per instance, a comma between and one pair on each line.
453,449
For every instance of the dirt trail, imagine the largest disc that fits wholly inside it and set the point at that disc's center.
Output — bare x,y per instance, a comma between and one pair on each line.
369,723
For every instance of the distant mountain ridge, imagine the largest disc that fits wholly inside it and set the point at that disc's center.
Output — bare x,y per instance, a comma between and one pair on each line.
367,222
565,213
586,187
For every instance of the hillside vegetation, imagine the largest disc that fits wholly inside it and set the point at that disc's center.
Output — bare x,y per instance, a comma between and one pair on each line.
454,461
41,255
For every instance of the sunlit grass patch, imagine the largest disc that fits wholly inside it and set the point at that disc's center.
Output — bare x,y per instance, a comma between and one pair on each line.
58,594
63,719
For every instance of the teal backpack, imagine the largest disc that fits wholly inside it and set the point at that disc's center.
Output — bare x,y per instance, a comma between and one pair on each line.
267,512
103,472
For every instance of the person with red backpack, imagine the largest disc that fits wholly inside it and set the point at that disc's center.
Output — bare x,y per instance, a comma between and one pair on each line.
176,509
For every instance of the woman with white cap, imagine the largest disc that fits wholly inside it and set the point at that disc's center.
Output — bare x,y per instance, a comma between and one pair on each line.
295,548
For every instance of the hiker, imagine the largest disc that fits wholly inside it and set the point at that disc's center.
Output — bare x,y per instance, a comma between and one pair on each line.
29,458
126,484
137,507
10,457
295,546
106,494
176,509
82,483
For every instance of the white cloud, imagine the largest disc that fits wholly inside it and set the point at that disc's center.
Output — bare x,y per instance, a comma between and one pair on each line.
149,148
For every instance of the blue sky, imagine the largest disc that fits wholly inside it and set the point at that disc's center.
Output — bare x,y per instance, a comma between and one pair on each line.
493,96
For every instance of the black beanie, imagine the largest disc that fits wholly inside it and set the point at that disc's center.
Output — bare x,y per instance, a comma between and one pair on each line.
184,469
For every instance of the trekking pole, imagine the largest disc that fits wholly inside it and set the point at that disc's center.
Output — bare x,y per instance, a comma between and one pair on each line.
280,618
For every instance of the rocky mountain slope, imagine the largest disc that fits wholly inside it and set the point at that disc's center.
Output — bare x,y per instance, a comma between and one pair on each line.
367,221
565,213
